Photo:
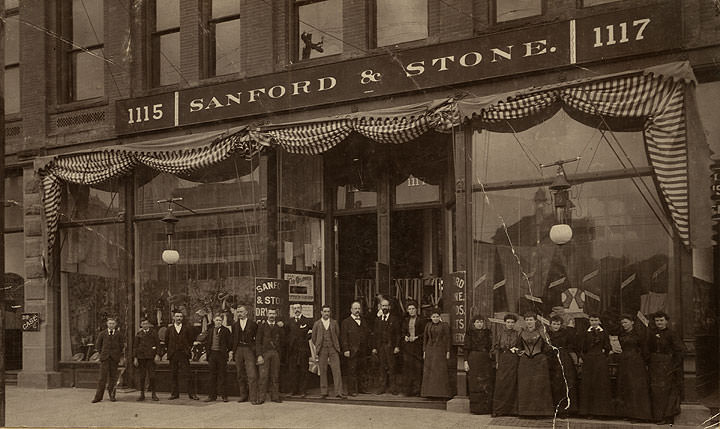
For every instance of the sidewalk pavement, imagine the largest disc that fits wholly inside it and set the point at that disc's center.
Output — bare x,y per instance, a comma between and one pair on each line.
71,407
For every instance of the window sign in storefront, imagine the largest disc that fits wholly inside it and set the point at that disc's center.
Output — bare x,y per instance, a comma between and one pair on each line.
269,293
549,46
455,296
301,287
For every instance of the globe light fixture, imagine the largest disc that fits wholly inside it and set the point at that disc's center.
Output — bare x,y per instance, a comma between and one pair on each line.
561,232
170,255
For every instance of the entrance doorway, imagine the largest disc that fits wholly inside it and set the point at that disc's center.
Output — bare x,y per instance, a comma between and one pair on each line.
357,254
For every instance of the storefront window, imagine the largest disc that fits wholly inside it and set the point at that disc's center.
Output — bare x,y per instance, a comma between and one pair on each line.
220,255
350,197
301,184
237,187
320,28
400,21
301,248
83,202
91,287
587,3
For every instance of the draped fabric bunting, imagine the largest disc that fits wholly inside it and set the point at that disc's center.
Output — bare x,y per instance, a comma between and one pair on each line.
652,99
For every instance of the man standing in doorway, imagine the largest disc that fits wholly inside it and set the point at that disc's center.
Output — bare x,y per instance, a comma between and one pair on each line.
386,344
326,338
146,346
270,335
299,331
218,343
244,331
355,339
179,339
110,344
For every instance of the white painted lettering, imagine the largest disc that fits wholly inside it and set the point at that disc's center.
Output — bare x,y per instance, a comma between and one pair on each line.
414,69
322,80
196,105
213,104
443,62
497,52
476,58
538,47
254,94
276,91
304,85
232,98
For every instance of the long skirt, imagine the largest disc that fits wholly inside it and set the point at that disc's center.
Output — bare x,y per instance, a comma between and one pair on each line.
435,382
632,387
595,393
480,382
505,393
563,381
666,378
534,393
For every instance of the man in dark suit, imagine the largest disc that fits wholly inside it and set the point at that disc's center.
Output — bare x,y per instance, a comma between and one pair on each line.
268,343
110,345
299,330
218,343
386,344
179,339
355,335
244,331
326,338
413,327
146,346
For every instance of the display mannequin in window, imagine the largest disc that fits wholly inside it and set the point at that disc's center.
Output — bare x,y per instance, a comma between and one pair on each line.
244,331
595,393
218,343
436,353
179,339
534,392
505,349
665,369
355,340
386,344
413,328
632,380
299,330
563,374
110,345
478,365
147,344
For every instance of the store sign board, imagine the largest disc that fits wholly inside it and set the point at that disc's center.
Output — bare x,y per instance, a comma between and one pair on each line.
455,297
523,50
30,322
270,293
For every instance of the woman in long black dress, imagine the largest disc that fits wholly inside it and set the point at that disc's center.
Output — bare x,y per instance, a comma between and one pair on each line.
505,348
534,393
665,369
479,366
563,375
436,353
595,394
632,380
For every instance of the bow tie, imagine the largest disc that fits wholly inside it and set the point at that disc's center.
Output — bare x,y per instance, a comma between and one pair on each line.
356,317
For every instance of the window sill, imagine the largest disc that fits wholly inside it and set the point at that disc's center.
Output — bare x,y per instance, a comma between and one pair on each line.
79,105
13,117
430,40
214,80
312,62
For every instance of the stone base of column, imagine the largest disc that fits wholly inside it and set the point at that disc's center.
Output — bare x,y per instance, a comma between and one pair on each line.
458,404
39,379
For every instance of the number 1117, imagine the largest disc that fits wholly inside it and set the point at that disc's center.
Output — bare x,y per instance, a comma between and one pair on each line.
622,32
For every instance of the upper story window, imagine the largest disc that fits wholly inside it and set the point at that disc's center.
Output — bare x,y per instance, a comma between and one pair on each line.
509,10
319,28
83,60
12,57
587,3
399,21
221,32
164,42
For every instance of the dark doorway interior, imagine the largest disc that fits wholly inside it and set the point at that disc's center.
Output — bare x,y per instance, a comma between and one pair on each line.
357,253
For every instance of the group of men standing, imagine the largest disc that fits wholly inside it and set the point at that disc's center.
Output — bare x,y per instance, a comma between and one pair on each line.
257,348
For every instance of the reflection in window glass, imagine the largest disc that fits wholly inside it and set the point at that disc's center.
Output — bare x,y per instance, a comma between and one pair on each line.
90,285
195,195
169,57
12,90
350,197
301,184
220,255
557,138
167,14
616,238
89,72
227,47
401,21
87,22
507,10
83,202
320,29
415,190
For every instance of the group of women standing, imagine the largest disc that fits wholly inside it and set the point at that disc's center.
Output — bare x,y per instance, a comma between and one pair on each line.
540,372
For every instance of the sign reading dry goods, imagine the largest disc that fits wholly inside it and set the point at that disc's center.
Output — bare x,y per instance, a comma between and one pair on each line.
270,293
621,33
454,292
